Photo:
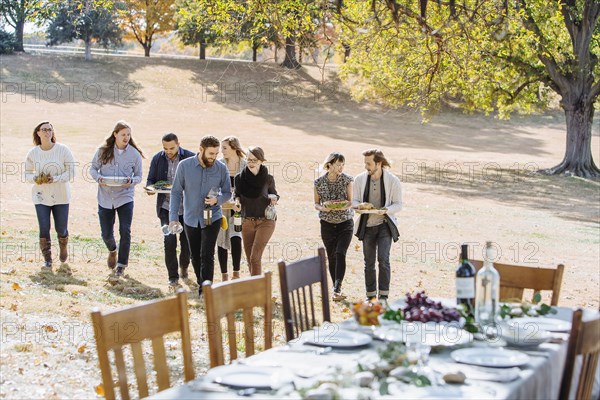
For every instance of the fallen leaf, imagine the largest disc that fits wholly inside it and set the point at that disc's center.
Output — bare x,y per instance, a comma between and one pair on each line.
100,390
20,258
13,307
21,371
81,348
49,328
16,286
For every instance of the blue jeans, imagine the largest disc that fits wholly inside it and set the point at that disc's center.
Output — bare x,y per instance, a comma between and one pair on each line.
60,213
376,244
107,222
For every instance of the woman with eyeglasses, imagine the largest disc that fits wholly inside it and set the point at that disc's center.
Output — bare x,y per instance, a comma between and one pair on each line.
333,196
254,192
117,167
234,157
50,167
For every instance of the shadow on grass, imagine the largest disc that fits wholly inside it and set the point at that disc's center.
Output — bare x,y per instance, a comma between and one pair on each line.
132,288
57,280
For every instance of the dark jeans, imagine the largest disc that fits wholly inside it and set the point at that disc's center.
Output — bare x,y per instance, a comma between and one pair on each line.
107,223
236,254
171,248
337,238
60,213
376,244
202,244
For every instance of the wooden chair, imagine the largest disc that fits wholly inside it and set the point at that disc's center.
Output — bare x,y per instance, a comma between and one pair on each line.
515,278
130,326
296,280
584,341
223,300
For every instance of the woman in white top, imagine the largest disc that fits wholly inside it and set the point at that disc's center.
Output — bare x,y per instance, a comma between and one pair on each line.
50,167
234,157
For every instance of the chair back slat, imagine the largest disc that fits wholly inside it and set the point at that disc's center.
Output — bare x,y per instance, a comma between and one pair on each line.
132,325
121,373
224,300
139,366
584,342
248,316
231,335
160,363
515,278
298,297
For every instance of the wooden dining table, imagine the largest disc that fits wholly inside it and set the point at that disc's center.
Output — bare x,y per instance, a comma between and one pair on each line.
298,370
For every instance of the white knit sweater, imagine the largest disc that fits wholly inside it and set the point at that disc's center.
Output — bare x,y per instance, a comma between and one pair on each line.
58,162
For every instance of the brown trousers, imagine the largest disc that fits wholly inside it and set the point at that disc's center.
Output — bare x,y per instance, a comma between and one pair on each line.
255,236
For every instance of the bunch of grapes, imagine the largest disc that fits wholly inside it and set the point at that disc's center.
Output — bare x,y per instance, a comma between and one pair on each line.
420,308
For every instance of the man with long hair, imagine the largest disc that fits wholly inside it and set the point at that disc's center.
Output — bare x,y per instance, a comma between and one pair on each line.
377,194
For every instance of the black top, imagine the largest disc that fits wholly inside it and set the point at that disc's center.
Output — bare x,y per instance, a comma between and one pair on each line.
253,191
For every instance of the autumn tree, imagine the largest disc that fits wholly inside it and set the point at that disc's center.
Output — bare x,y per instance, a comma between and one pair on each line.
489,55
145,18
87,21
195,25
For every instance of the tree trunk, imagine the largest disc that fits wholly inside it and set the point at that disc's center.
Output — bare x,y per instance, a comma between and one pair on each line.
19,35
147,50
202,51
346,51
300,54
290,54
578,159
275,53
254,51
88,49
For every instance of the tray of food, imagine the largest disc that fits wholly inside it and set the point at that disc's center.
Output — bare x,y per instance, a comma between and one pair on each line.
368,208
160,187
115,180
336,204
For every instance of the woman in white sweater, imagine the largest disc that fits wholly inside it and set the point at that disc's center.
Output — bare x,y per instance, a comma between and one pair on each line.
50,167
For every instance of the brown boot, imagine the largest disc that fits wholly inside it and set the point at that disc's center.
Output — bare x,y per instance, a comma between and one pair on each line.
236,275
224,277
45,247
112,259
64,252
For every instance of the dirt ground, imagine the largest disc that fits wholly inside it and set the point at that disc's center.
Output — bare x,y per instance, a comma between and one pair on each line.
466,178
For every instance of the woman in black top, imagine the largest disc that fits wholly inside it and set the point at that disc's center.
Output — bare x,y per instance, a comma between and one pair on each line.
254,192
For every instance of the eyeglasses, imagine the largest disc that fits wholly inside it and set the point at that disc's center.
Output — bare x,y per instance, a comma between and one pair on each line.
252,160
46,129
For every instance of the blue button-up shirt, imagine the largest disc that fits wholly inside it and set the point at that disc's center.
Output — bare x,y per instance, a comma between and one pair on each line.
193,182
125,163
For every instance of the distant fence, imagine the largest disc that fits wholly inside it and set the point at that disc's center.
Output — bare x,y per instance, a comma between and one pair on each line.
41,48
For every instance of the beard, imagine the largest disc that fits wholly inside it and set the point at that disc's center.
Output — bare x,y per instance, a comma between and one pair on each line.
207,162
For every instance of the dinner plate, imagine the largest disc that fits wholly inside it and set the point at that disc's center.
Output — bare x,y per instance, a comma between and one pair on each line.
154,190
367,211
249,376
490,357
115,180
352,325
430,334
541,323
523,334
330,335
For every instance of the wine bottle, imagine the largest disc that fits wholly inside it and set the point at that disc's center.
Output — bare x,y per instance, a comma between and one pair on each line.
487,291
465,280
207,214
237,221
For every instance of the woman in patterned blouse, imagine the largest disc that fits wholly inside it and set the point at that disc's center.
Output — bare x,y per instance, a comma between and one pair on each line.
336,224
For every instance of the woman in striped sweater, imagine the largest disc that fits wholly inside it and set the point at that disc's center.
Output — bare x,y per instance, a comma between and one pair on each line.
50,167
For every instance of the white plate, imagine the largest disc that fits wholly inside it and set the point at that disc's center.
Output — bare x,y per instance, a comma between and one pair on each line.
523,334
330,335
154,190
367,211
115,180
490,357
430,334
352,325
249,376
541,323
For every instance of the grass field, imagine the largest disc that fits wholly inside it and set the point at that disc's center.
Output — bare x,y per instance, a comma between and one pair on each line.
466,178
